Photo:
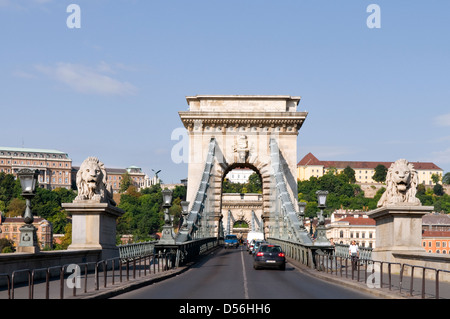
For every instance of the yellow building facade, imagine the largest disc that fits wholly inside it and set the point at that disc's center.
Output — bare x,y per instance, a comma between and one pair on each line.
310,166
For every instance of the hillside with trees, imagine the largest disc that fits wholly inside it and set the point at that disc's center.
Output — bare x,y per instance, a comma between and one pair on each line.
343,193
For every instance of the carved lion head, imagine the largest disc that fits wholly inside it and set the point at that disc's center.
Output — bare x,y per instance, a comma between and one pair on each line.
401,185
91,181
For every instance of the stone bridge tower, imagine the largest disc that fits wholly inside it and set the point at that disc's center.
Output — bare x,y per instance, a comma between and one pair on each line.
242,127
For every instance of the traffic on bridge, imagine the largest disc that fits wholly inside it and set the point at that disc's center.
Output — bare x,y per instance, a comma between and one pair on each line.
229,274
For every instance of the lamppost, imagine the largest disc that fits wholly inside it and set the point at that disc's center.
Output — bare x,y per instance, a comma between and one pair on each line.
28,238
185,212
301,214
167,231
321,231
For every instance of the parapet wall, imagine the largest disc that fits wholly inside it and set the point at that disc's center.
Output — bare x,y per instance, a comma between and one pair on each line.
429,260
19,261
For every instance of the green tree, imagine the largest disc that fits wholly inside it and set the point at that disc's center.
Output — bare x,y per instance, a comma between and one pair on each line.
349,173
6,245
16,207
125,182
143,215
446,178
254,184
9,188
436,178
438,190
179,192
66,239
380,173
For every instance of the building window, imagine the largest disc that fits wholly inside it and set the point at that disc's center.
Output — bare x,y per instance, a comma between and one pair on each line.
341,234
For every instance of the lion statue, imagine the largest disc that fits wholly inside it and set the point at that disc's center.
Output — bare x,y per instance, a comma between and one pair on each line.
92,182
401,185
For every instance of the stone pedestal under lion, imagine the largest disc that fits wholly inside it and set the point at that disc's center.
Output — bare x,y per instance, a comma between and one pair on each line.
399,216
94,213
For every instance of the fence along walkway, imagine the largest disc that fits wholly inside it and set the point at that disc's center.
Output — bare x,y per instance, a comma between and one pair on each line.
62,281
407,280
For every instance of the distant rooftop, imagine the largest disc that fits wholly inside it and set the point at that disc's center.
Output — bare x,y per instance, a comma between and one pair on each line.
311,160
29,150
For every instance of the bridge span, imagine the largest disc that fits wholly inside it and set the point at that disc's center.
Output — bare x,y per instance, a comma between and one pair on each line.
229,274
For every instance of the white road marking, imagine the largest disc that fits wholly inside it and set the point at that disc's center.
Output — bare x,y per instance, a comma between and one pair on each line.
245,276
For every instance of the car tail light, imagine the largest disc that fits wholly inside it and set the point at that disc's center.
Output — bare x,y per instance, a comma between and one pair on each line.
260,254
281,255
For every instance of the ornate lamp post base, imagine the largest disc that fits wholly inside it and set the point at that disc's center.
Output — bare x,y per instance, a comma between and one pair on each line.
28,239
321,239
167,236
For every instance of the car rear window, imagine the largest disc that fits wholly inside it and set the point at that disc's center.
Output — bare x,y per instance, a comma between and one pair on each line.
270,249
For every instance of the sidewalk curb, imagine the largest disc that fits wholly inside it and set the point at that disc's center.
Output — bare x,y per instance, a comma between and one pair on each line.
120,288
377,292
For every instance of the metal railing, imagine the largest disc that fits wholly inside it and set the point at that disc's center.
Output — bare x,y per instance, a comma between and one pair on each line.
374,274
89,276
393,276
342,250
437,272
130,251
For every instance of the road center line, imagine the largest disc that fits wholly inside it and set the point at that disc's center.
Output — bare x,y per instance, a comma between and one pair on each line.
245,275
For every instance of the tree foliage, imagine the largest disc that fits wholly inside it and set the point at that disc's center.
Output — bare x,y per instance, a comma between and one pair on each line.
341,193
6,245
144,215
254,185
380,173
446,178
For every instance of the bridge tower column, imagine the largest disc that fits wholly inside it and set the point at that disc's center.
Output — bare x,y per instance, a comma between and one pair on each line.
242,127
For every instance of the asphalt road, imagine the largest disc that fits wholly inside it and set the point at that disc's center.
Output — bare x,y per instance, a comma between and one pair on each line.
229,274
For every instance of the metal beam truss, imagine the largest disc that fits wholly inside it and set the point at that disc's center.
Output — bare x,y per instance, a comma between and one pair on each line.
285,224
200,220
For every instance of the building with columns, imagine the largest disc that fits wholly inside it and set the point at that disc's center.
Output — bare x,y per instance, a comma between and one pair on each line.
345,227
54,166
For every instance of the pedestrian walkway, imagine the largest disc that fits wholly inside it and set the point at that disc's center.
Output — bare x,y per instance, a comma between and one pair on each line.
91,285
108,284
371,284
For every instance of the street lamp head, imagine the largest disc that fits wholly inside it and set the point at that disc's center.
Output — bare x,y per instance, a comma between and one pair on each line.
301,207
322,198
184,206
167,197
28,180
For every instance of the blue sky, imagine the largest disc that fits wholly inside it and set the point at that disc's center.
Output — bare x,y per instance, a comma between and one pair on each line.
113,87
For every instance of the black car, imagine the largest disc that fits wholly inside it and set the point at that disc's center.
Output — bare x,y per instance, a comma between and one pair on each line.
269,256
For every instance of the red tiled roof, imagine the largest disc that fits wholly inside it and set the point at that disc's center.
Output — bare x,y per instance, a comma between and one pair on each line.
19,220
310,159
357,221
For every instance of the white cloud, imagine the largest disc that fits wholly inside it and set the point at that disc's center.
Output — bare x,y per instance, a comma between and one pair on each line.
23,74
88,80
442,120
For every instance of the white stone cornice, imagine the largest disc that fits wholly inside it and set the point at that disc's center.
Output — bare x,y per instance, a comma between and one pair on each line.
263,119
